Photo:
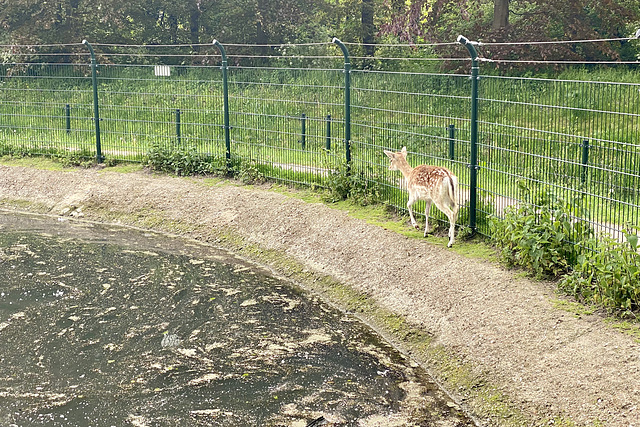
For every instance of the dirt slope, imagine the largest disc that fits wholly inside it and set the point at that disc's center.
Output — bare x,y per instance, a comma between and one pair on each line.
549,362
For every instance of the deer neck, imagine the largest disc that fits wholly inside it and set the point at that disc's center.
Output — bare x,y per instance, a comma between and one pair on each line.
404,167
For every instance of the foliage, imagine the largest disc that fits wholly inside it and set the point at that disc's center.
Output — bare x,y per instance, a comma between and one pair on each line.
542,237
83,158
609,275
344,183
188,22
9,150
183,160
192,23
248,171
68,158
537,20
186,161
485,212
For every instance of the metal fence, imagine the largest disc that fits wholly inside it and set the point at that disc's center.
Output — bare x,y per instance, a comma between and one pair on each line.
301,112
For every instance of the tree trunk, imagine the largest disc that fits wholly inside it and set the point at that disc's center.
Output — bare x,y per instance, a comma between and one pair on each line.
500,14
194,27
368,28
173,28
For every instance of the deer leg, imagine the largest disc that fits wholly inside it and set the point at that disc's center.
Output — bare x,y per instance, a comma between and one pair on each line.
452,231
409,205
452,225
452,215
427,209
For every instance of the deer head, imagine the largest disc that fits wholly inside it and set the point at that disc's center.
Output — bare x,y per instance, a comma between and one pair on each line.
398,160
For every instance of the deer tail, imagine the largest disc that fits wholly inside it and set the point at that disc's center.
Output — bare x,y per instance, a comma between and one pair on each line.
453,188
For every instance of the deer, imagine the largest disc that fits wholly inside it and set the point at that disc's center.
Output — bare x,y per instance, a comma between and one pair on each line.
429,183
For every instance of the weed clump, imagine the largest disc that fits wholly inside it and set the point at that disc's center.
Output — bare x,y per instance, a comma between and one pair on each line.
344,183
183,160
544,236
609,276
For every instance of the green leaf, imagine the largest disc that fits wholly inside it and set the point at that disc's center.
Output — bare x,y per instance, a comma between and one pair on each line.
633,240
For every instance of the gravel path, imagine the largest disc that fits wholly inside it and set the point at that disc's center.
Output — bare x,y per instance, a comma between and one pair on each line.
549,362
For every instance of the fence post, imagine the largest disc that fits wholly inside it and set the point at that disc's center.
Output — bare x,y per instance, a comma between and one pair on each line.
67,113
347,101
328,134
225,100
96,108
585,159
178,130
473,161
303,139
452,140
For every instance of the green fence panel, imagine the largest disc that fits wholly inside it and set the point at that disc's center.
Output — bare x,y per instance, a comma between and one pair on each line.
96,104
574,139
267,105
34,116
392,110
286,118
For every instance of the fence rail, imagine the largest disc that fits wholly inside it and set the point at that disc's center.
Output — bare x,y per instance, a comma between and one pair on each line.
576,137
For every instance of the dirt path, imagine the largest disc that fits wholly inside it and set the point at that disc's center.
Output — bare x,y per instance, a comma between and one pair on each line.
551,364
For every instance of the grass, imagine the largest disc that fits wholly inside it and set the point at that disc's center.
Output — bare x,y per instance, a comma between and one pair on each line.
575,308
382,216
625,326
34,162
126,168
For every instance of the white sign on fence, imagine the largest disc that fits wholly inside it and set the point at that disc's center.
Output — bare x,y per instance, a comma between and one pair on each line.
162,70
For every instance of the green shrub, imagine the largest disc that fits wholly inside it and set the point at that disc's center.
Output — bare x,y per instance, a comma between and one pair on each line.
344,183
186,161
83,158
609,275
183,161
541,238
248,171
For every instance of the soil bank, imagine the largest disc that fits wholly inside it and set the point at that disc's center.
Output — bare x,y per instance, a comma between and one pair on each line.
497,341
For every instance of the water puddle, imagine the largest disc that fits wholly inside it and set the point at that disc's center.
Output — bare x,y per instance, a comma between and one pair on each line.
106,326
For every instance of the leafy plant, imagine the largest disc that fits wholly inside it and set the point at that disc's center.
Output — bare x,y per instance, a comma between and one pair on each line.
183,160
484,213
248,171
186,160
609,275
83,158
344,183
541,238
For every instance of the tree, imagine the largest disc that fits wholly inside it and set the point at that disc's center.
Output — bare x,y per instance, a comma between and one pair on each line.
368,28
520,20
188,21
500,14
67,21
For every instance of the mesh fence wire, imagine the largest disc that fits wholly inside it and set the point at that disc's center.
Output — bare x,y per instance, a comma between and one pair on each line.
578,139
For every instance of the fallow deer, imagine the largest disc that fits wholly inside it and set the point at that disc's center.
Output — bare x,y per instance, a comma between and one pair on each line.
431,184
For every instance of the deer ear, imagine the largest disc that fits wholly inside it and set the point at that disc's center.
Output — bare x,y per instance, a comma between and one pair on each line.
389,154
404,151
